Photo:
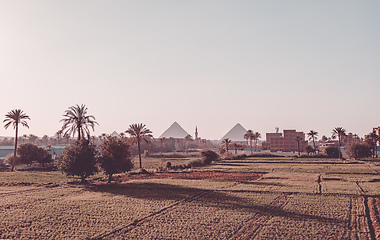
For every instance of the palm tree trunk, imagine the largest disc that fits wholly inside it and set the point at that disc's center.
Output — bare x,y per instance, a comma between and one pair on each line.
138,146
315,151
109,177
79,132
250,141
298,148
340,154
16,139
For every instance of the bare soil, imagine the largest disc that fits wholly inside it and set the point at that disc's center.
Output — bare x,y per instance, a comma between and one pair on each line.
195,175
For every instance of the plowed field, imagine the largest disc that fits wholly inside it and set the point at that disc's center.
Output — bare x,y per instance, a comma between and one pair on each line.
197,205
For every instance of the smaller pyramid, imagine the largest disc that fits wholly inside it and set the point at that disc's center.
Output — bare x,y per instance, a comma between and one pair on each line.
114,134
174,131
236,133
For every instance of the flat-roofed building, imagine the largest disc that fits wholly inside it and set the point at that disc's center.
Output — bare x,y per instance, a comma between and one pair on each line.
285,142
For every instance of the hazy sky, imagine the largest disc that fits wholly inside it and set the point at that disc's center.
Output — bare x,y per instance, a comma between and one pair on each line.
289,64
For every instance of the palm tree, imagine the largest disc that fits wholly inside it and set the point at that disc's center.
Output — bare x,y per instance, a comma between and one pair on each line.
339,132
33,138
226,142
59,135
46,139
77,121
249,136
373,139
298,139
16,117
25,137
256,137
313,136
139,133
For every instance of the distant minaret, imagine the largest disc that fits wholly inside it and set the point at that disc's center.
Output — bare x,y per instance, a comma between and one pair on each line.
196,133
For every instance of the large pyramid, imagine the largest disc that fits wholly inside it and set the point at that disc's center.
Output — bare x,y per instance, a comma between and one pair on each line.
174,131
236,133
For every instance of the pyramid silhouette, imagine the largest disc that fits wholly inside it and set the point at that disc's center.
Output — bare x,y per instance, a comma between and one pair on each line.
174,131
236,133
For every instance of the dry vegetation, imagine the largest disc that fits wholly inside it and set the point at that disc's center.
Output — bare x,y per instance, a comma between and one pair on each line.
255,198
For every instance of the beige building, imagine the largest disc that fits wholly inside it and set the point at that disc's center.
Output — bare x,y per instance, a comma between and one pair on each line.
285,142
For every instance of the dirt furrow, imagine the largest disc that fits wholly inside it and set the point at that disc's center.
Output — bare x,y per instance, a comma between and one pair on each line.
252,226
359,224
131,225
373,217
38,189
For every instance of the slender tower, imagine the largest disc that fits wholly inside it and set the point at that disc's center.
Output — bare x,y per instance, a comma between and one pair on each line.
196,133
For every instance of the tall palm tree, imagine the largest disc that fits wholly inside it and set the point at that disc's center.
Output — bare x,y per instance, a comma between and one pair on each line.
249,136
256,137
139,133
313,136
77,121
226,142
16,117
298,139
339,132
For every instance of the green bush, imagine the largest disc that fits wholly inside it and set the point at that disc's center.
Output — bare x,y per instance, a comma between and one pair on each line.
78,159
358,150
30,152
208,156
197,163
332,152
115,156
12,160
168,165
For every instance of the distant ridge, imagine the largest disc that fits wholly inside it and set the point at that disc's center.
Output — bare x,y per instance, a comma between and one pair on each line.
236,133
174,131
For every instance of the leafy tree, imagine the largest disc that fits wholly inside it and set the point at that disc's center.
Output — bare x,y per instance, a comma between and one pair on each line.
332,152
78,159
309,149
12,160
358,150
16,117
139,133
43,156
27,152
298,139
77,121
313,136
208,156
115,156
249,136
340,133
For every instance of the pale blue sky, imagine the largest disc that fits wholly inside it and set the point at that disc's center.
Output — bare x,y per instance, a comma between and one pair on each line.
290,64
